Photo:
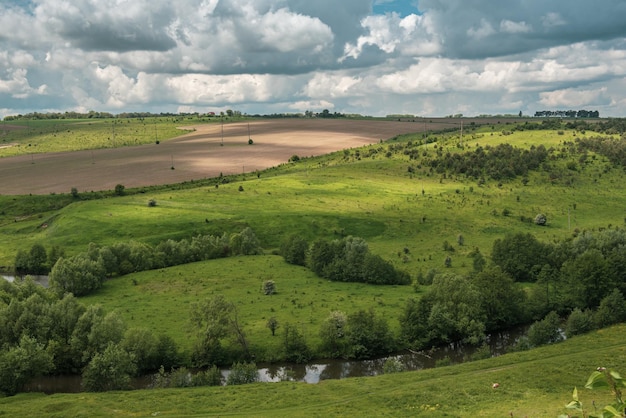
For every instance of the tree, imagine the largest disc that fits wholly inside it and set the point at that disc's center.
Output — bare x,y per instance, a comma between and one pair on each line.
293,250
272,324
242,373
245,243
456,312
612,310
546,331
37,260
518,254
294,345
215,319
142,345
78,275
120,189
21,363
586,279
414,330
368,335
109,370
501,301
579,322
333,334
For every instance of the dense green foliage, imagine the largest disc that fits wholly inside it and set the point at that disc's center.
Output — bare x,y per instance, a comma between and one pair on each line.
41,332
349,260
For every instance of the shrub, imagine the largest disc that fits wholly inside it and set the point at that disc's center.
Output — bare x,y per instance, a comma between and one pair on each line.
209,377
612,310
541,219
110,370
272,324
269,287
152,203
393,365
294,345
579,322
293,250
546,331
242,373
119,189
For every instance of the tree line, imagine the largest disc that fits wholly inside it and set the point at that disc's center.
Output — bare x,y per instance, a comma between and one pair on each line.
567,113
85,272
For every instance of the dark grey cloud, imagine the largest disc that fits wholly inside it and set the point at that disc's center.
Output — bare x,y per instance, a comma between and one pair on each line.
483,28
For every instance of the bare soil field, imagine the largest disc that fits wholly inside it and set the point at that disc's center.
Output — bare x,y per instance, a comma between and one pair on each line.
208,151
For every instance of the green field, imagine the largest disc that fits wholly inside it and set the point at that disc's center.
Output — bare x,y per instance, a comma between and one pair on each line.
55,135
536,383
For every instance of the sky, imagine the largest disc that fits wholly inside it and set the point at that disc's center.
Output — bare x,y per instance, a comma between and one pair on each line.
380,57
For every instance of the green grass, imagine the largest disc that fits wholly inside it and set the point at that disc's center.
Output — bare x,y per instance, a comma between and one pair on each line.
536,383
160,300
42,136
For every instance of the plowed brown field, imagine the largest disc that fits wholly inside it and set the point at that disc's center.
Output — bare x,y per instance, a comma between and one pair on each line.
199,154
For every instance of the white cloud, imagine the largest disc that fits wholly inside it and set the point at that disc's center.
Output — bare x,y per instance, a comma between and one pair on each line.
573,98
266,55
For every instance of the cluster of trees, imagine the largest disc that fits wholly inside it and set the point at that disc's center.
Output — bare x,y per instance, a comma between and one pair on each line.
614,150
459,308
37,261
500,162
573,274
42,332
83,273
344,260
567,114
581,279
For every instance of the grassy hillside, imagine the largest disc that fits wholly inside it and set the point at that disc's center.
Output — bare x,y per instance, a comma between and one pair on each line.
536,383
377,193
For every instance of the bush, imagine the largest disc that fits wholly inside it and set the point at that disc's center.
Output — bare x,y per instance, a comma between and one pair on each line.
293,250
242,373
546,331
110,370
541,219
209,377
119,189
393,365
269,287
612,310
152,203
579,322
294,345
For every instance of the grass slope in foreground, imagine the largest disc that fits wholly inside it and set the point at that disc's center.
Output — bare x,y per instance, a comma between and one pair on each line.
535,383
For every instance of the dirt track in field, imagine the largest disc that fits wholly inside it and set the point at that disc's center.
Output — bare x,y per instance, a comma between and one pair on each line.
199,154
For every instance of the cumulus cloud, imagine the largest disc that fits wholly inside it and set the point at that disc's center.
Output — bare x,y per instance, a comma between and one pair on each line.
358,56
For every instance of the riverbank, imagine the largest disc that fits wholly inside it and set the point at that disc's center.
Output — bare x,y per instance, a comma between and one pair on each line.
535,383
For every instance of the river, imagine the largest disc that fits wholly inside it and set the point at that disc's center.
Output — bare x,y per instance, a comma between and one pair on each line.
319,370
41,280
